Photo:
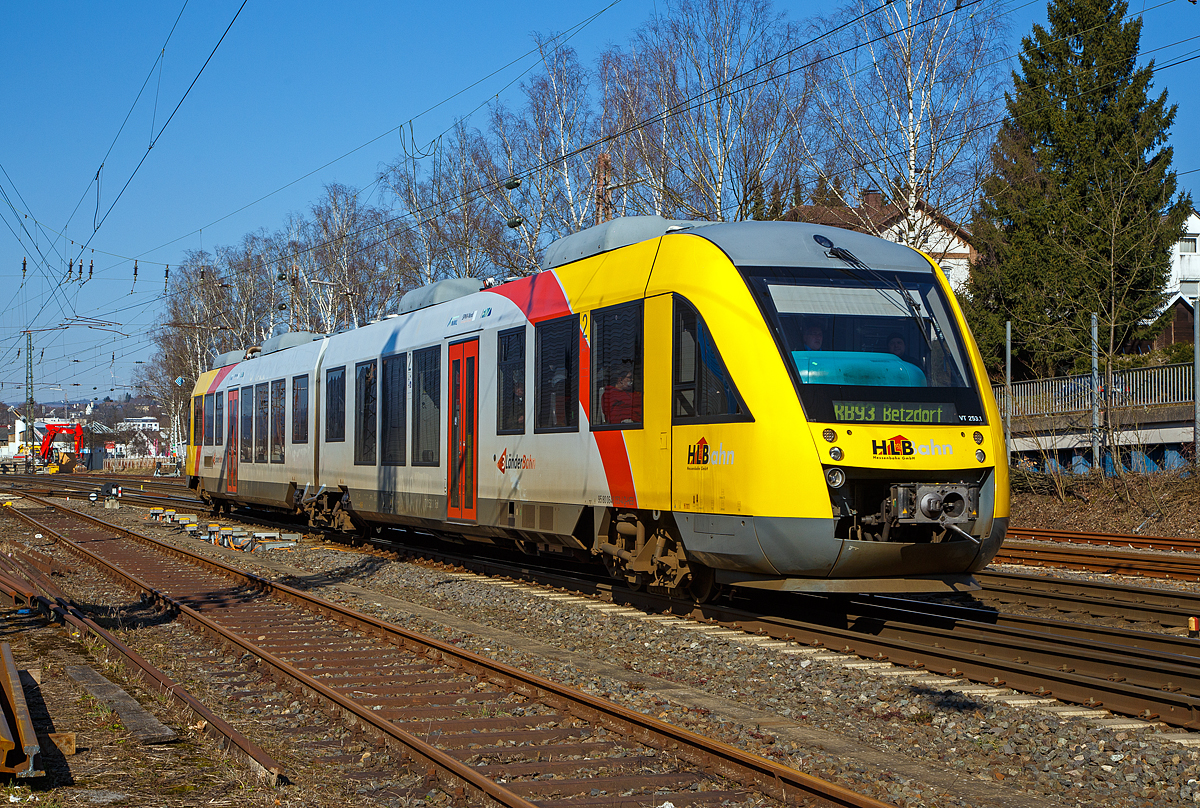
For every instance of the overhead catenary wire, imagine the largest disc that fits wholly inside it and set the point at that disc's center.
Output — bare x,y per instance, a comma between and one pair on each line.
593,145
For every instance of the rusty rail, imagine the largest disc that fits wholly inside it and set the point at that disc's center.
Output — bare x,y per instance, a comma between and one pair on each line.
55,604
1130,540
18,740
1145,563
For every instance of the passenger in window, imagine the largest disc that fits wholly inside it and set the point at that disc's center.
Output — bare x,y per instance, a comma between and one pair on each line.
898,347
814,337
621,404
518,402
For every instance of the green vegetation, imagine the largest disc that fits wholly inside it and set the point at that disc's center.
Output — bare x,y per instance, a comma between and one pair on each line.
1079,211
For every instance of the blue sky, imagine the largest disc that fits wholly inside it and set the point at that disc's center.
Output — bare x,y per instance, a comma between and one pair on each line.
292,87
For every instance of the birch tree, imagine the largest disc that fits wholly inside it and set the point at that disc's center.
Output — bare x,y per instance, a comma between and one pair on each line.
904,106
729,81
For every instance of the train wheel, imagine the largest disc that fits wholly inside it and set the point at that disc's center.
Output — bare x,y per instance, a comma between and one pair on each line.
702,585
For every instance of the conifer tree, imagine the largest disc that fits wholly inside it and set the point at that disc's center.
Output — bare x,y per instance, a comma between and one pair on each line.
1079,211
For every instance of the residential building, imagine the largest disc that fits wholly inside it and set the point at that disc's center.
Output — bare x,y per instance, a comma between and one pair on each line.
934,233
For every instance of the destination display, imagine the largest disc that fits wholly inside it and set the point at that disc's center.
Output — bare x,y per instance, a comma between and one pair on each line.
874,412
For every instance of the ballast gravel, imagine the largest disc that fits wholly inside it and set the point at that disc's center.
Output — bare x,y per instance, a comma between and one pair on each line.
885,736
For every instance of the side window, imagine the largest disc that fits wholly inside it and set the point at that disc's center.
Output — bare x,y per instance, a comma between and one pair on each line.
335,405
219,419
198,420
393,422
208,419
366,410
510,374
702,390
557,379
278,418
427,405
617,366
246,402
300,409
262,419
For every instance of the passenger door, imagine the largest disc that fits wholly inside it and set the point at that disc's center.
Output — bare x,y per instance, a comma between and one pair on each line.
231,444
464,426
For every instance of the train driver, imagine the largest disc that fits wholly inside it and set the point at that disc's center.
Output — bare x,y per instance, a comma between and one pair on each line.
814,337
899,348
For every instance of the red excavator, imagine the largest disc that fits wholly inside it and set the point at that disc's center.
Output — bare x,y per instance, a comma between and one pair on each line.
65,461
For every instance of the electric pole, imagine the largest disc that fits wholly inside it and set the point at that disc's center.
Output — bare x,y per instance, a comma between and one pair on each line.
604,208
28,402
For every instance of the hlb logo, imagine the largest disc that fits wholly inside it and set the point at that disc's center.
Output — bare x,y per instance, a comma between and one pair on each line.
900,446
516,462
897,446
701,454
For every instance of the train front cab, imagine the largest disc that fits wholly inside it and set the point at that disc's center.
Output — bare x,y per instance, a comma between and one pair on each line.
840,468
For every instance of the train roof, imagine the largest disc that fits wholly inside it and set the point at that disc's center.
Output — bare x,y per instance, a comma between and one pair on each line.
780,244
792,244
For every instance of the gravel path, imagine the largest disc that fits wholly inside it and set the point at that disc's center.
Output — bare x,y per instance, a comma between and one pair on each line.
914,745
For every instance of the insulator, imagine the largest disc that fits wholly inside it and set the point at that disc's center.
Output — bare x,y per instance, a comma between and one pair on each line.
90,265
22,269
166,276
135,269
70,268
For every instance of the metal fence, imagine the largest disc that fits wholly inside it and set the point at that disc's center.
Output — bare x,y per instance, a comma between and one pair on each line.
1136,387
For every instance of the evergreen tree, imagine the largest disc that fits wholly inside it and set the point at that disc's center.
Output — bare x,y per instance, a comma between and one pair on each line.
1078,214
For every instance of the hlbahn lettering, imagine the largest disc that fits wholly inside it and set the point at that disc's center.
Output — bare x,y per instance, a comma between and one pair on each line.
702,454
900,446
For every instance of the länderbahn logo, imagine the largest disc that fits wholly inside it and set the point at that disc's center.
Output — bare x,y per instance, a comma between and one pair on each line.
516,462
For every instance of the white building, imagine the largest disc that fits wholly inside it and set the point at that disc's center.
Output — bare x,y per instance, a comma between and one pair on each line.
139,425
1185,261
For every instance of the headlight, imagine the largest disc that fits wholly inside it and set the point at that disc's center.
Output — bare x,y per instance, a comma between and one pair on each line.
836,453
979,455
978,437
835,477
829,435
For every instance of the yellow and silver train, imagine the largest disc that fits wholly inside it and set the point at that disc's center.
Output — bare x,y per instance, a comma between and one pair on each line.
761,404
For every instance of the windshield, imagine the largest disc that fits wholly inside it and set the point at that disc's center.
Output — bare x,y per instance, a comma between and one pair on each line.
869,346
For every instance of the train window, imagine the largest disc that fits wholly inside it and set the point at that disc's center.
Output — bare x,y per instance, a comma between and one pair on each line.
300,409
278,418
262,420
427,406
702,389
198,420
218,419
366,410
392,425
247,405
617,367
510,374
557,380
335,405
208,419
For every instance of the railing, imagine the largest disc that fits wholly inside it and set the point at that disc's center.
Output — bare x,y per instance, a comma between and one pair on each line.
1136,387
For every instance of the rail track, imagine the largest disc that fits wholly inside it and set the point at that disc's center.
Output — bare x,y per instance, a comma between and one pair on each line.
1167,607
1129,540
1135,673
1145,563
529,740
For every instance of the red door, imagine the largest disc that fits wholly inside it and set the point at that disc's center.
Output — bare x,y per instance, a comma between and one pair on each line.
464,423
231,444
